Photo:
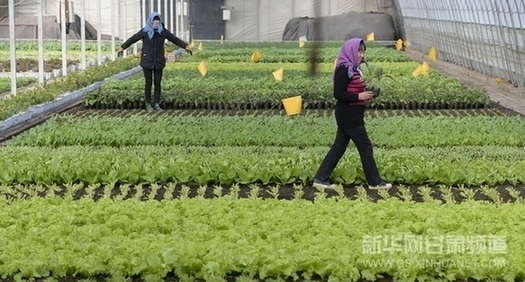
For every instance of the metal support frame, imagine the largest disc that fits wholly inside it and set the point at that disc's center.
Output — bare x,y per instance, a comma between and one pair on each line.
83,65
63,24
483,35
40,42
113,23
172,16
99,32
12,45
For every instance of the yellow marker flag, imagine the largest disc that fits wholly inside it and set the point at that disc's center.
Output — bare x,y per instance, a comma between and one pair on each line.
370,37
500,80
301,42
201,47
256,56
432,54
222,39
278,74
192,44
417,71
202,68
422,69
425,68
399,44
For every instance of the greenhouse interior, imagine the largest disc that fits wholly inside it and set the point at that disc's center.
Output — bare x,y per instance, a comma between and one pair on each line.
318,140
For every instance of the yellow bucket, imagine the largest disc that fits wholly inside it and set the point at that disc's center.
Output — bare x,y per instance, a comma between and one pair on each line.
293,105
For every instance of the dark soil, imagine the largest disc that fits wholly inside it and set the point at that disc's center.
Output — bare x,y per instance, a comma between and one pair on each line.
495,111
288,192
233,277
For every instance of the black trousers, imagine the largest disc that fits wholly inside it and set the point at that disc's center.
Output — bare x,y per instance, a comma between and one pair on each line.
152,75
364,146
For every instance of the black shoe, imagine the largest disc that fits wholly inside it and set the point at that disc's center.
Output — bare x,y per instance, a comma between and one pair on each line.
382,185
324,185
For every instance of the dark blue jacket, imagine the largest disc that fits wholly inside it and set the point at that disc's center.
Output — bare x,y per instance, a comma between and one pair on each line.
152,56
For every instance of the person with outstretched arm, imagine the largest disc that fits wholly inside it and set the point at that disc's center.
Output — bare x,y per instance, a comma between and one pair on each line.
152,58
351,97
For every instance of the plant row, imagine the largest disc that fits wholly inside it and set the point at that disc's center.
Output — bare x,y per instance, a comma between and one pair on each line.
309,105
227,166
252,130
224,69
326,55
459,153
5,83
73,81
27,45
286,53
31,64
369,114
235,52
171,191
196,238
270,45
28,60
256,88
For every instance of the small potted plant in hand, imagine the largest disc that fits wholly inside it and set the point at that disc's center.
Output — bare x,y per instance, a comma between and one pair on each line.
372,78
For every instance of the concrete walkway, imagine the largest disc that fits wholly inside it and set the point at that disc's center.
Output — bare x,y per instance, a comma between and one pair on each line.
505,95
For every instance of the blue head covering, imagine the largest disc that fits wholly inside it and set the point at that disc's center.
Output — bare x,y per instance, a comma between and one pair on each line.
149,29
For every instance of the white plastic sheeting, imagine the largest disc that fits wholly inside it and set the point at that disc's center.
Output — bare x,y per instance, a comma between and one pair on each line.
127,16
265,20
485,35
251,20
483,12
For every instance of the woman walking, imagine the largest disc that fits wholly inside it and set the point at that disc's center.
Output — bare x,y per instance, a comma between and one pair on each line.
351,97
153,59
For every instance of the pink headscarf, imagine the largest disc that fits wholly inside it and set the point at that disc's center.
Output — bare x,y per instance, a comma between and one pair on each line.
348,55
